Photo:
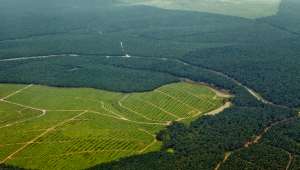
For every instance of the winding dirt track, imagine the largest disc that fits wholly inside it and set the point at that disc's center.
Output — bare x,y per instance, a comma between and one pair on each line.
39,136
114,115
265,130
289,162
151,144
4,99
256,140
251,91
37,57
16,92
226,156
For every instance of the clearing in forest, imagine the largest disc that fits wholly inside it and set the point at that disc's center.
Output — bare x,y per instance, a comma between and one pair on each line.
54,128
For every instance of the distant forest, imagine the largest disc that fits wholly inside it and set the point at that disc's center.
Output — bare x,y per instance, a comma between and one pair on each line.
262,54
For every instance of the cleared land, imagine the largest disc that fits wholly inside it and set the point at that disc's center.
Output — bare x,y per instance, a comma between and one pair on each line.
241,8
53,128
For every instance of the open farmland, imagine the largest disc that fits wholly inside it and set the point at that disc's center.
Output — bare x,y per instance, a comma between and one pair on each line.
53,128
241,8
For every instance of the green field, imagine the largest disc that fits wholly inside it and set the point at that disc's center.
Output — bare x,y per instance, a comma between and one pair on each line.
53,128
241,8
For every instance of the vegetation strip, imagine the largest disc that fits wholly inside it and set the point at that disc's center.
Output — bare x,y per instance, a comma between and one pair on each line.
251,91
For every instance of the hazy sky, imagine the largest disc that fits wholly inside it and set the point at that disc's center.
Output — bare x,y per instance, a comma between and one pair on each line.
243,8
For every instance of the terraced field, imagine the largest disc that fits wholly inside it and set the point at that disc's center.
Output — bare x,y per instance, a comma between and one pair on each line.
53,128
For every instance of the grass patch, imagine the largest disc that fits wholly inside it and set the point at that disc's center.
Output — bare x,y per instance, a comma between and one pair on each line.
60,126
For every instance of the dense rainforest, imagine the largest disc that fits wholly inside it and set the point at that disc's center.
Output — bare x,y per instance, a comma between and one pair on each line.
261,54
266,48
259,66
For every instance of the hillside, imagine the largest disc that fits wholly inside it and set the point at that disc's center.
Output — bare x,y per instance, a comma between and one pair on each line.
57,128
105,79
